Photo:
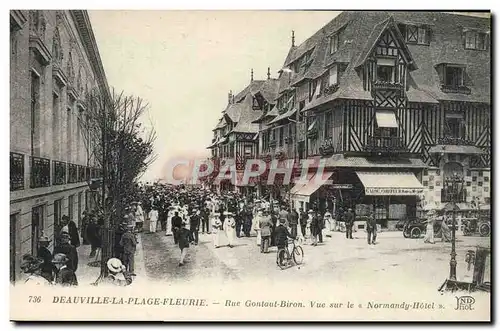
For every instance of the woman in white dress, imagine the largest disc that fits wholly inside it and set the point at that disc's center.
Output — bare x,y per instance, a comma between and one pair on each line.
171,213
229,228
256,225
308,236
429,232
218,234
328,220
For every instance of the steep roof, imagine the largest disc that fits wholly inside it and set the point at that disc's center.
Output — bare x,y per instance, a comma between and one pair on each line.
360,31
246,117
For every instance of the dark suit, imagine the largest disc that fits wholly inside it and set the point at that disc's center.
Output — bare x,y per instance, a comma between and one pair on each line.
176,225
194,227
48,268
73,233
66,277
349,223
371,229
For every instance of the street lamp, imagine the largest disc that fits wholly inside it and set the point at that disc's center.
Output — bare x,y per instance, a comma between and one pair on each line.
453,189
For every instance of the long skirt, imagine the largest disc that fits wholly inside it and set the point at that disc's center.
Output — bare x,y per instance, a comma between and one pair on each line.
259,238
231,235
429,234
169,226
218,237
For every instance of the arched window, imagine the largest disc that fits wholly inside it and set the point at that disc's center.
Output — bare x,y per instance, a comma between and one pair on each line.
57,53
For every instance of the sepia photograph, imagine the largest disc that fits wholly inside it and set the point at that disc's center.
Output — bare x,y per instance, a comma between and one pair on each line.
257,165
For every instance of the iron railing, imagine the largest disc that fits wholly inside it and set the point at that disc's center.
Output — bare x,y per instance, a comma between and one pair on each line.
59,173
380,144
40,172
16,171
72,173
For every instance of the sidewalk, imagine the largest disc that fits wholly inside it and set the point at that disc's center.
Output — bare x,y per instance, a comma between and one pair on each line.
87,274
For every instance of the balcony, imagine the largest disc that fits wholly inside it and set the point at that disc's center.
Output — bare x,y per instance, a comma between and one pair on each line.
59,173
455,89
72,173
81,173
449,140
388,86
447,195
40,172
16,171
385,145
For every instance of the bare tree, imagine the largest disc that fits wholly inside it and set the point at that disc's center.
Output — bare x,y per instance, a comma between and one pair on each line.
122,149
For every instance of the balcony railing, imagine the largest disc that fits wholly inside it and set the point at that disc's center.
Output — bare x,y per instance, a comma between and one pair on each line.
81,173
455,141
447,195
59,173
40,172
16,171
72,173
388,145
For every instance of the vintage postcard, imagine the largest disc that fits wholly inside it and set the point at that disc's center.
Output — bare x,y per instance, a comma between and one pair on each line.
250,165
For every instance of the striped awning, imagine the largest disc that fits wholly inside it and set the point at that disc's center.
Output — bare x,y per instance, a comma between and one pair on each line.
390,183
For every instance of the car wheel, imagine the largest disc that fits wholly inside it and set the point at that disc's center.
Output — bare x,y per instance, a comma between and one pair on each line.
416,233
484,230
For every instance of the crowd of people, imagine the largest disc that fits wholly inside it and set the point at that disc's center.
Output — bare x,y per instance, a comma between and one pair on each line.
183,212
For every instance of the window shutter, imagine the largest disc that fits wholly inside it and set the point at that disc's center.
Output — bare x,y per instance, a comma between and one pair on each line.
430,35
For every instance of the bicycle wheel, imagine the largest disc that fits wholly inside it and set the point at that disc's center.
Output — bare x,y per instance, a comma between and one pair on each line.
282,259
484,230
298,255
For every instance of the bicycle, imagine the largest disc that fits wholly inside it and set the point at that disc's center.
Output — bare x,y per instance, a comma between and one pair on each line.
284,258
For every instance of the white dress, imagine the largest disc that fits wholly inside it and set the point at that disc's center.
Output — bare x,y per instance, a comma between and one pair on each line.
256,228
168,231
229,228
308,236
218,234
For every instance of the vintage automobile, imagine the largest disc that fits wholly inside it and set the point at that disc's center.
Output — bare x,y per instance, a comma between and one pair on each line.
472,226
416,227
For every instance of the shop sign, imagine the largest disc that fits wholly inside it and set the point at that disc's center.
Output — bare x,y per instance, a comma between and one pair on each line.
343,186
393,191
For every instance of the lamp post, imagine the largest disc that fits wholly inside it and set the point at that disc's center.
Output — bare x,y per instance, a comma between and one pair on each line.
454,187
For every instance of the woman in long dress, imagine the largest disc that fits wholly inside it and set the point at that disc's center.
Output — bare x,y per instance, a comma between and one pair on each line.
229,228
308,236
256,225
168,230
218,234
429,232
329,223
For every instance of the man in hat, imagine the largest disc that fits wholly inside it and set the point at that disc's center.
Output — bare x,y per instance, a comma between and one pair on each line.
303,221
349,223
68,250
139,215
282,234
129,243
116,268
119,231
65,275
153,219
293,221
371,228
176,225
48,270
183,236
93,235
194,225
265,225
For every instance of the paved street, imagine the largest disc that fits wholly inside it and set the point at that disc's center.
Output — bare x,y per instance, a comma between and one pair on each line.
395,261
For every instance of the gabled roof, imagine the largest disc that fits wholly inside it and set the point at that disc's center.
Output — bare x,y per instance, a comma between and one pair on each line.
269,90
247,116
377,32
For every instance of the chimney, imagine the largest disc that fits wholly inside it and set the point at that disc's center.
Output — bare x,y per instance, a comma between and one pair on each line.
268,73
230,97
251,75
293,38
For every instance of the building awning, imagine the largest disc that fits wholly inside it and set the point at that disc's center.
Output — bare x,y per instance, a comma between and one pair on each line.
390,183
386,119
306,190
455,149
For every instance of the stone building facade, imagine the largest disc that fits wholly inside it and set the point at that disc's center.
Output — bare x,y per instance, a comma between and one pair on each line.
54,64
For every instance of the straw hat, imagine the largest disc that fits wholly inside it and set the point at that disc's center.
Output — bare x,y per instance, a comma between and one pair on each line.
114,265
31,263
44,239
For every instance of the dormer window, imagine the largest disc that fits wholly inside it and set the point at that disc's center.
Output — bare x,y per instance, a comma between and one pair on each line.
454,76
333,75
334,43
475,40
415,34
386,69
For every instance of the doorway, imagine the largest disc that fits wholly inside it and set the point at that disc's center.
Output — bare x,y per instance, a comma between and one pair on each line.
71,204
37,222
79,209
13,252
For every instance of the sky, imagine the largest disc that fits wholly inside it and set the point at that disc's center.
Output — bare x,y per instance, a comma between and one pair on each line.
183,63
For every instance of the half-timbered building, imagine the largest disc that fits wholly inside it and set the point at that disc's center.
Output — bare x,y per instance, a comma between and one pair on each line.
397,102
